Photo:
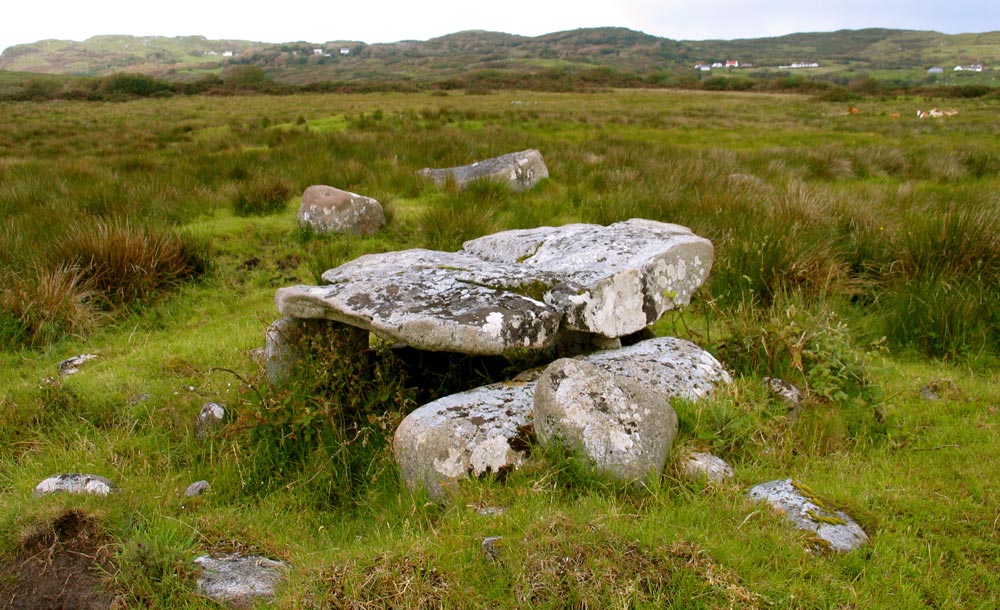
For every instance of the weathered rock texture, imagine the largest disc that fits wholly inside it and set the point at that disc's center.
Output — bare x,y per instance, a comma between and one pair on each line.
467,434
625,428
483,430
615,280
834,530
330,210
515,289
520,171
76,484
238,580
439,301
675,367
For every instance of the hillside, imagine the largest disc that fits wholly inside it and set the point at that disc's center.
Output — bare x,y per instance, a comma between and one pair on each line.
620,49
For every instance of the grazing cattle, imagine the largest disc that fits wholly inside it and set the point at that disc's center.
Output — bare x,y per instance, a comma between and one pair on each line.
935,112
921,114
950,112
895,115
853,110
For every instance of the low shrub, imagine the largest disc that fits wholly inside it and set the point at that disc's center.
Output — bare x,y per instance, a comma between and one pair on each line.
331,423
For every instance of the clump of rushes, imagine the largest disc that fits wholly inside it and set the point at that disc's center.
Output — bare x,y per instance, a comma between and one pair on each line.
261,196
43,305
125,264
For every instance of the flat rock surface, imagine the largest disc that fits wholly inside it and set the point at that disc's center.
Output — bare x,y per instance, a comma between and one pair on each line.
515,289
237,579
804,510
615,279
439,301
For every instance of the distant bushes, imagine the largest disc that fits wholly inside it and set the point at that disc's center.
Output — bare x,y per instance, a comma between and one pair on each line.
251,79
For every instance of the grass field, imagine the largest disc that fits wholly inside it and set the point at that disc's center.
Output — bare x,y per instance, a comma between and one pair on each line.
858,255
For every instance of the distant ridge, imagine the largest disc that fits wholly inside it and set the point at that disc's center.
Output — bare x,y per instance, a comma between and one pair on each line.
621,49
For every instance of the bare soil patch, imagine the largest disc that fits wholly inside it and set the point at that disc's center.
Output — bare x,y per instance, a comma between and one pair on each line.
60,564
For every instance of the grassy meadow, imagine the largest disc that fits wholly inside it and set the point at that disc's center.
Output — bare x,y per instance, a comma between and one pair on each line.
857,256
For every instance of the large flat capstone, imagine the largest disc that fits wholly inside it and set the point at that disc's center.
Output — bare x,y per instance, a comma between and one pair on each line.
515,289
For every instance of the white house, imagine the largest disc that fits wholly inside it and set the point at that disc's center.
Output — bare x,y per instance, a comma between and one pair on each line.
970,68
345,51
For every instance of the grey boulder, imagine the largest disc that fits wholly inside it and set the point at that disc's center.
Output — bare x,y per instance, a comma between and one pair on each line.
483,430
467,434
238,580
438,301
515,289
520,171
614,280
625,428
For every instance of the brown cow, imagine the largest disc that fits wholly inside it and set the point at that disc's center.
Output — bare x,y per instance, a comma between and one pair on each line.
853,110
895,115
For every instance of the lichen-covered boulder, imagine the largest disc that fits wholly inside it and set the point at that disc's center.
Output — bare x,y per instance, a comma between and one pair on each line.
471,433
483,430
76,484
438,301
520,171
615,279
326,209
625,428
674,367
833,529
515,289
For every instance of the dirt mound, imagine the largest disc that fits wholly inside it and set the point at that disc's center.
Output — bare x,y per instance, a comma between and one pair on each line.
60,564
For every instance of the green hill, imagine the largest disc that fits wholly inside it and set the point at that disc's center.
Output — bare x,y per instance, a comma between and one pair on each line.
448,56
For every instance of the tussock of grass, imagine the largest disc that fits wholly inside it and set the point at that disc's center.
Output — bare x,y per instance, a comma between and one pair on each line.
125,264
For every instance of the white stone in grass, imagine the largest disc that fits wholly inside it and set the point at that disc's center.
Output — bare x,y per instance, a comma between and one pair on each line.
705,467
76,484
210,419
239,580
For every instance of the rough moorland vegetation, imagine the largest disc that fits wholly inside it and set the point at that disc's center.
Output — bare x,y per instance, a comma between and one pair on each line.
857,256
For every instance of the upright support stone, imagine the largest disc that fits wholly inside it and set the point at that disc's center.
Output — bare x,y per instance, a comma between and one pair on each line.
289,341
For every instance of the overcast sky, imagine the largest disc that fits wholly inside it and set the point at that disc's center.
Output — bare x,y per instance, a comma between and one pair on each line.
23,21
